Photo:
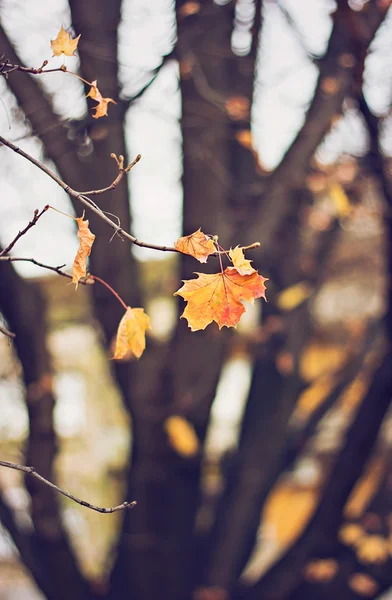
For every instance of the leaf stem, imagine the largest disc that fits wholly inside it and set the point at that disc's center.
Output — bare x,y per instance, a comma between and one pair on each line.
111,289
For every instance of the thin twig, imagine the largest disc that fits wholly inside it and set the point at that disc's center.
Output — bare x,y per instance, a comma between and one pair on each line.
7,333
120,176
109,287
34,220
38,264
31,471
79,196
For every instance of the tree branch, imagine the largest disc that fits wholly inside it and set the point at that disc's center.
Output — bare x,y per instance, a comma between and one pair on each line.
81,197
31,471
33,222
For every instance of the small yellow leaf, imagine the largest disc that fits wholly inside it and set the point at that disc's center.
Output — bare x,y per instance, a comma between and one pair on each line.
198,245
182,436
131,334
340,199
240,263
86,240
63,44
293,296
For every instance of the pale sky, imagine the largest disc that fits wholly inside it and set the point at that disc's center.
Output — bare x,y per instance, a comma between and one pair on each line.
285,82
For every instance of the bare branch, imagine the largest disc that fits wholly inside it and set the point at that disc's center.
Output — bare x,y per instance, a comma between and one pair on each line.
38,264
122,173
34,220
85,200
31,471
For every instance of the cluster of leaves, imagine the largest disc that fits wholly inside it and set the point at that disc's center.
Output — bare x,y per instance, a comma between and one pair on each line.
214,297
63,44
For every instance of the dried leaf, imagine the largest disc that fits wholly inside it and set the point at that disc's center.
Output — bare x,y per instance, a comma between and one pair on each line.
294,295
86,240
63,44
101,110
198,245
240,263
131,334
218,297
182,436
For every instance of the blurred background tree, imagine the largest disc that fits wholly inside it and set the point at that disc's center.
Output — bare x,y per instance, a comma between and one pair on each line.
259,458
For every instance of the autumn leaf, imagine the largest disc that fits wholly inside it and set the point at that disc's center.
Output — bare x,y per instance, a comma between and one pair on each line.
101,110
63,44
294,295
218,297
182,436
240,263
86,240
198,245
131,334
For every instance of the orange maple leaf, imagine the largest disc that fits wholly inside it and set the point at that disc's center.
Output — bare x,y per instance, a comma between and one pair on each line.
101,110
198,245
63,44
240,263
131,334
86,240
218,297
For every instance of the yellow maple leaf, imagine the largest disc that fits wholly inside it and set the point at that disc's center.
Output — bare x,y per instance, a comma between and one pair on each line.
198,245
218,297
131,334
86,240
240,263
63,44
101,110
182,436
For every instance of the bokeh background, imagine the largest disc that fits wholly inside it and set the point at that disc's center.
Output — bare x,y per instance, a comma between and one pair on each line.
259,458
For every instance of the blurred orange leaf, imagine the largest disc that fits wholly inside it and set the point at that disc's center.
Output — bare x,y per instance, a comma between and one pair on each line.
189,8
181,435
321,570
218,297
294,295
86,240
238,108
101,110
372,549
198,245
240,263
244,137
131,334
363,584
63,44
